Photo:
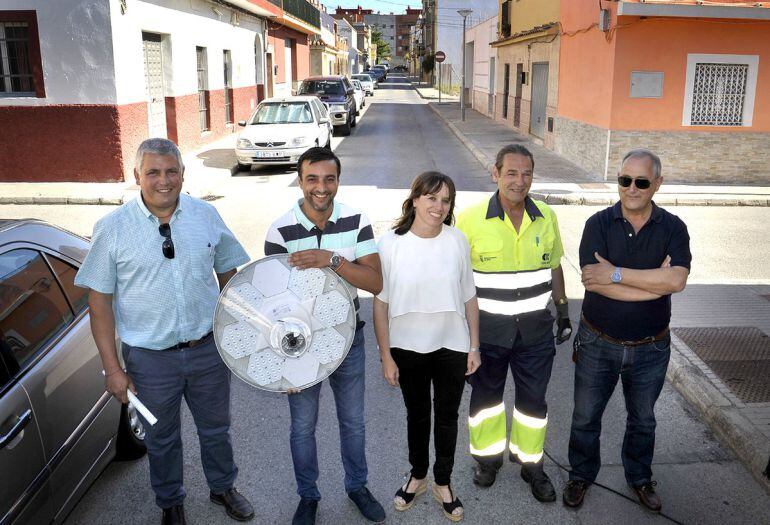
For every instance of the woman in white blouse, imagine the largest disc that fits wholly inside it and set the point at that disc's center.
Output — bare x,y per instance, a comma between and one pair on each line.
426,320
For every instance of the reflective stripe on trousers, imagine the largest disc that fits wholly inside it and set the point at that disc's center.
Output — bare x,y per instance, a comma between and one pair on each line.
488,432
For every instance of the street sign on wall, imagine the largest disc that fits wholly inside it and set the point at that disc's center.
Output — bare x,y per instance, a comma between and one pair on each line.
440,56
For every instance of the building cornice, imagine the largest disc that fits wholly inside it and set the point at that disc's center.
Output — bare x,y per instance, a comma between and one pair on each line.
549,29
693,11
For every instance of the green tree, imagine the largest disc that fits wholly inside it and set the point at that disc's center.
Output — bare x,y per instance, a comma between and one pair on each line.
383,48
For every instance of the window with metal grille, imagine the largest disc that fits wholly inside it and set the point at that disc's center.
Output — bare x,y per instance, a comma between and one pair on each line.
719,94
203,89
15,68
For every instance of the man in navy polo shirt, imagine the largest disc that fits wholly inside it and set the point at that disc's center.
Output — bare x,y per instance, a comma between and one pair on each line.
633,256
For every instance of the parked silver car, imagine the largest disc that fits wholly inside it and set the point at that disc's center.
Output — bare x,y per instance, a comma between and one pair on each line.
59,427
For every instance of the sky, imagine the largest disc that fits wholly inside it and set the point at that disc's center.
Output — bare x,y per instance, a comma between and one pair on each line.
447,18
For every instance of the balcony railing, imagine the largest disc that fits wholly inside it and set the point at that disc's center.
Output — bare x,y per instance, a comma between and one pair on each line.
300,9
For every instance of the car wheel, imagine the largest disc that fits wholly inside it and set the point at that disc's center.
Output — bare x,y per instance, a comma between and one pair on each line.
329,143
244,167
363,103
130,441
354,122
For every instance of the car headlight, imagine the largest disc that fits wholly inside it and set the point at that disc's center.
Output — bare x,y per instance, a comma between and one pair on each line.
299,141
244,143
337,107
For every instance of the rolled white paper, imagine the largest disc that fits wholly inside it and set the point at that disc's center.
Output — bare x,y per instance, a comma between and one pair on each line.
141,408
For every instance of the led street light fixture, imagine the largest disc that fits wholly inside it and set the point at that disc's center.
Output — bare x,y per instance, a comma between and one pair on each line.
277,327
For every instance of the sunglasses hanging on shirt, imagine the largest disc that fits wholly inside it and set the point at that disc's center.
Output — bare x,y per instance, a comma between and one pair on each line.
168,243
642,184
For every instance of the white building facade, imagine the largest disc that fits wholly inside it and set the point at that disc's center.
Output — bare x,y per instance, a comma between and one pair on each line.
109,74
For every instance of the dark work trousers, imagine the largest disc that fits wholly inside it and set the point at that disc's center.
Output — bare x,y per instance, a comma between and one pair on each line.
530,366
445,369
162,379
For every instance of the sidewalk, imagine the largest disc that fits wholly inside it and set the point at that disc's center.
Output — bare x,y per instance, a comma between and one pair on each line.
558,181
722,372
205,168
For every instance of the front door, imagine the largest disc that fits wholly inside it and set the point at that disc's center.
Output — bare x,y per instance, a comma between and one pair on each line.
287,64
153,74
539,98
506,89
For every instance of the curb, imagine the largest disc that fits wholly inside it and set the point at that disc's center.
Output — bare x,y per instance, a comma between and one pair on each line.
732,429
599,200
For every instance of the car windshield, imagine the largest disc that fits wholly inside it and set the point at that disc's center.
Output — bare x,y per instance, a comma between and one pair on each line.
283,113
322,87
363,78
357,84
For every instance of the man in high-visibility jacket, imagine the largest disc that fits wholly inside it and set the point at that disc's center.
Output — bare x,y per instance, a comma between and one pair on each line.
515,252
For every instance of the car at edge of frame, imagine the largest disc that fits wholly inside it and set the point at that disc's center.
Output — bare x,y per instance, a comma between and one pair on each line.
59,427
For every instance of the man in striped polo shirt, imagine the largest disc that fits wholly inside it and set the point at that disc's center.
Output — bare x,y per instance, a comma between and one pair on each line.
516,255
319,232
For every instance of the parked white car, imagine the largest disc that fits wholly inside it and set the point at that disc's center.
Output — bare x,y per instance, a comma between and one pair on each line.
367,82
281,129
359,95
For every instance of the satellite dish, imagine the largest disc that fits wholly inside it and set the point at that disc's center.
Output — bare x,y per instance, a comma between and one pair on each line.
277,327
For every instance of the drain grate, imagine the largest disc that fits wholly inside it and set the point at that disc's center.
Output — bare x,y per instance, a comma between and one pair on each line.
740,356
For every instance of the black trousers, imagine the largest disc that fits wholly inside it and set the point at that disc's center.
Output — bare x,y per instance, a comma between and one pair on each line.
445,370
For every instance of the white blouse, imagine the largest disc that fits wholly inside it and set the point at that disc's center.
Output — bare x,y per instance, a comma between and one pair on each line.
426,283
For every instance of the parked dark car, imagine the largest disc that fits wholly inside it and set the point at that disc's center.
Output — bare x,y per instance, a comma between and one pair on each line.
377,74
400,69
59,427
338,94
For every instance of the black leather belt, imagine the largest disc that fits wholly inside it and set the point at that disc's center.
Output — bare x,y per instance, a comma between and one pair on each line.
188,344
662,336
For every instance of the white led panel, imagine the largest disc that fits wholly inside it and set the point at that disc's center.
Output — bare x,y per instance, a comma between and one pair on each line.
276,329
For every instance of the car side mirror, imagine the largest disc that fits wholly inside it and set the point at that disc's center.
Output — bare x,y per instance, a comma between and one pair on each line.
293,92
241,123
323,120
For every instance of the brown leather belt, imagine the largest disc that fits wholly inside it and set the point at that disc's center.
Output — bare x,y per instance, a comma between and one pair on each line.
662,336
188,344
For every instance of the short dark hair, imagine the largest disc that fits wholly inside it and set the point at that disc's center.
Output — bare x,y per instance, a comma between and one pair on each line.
318,154
426,183
513,149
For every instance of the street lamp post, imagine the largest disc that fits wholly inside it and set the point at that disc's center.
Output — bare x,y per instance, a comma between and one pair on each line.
463,13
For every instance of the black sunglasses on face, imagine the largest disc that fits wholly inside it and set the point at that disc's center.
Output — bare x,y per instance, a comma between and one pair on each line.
642,184
168,244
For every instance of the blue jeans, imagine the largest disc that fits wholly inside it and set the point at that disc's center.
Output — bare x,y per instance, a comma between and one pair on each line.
642,370
162,379
347,383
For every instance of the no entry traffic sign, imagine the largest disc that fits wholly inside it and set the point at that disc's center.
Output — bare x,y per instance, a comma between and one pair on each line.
440,56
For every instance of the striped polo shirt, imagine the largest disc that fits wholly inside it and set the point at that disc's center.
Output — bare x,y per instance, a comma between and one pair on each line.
348,233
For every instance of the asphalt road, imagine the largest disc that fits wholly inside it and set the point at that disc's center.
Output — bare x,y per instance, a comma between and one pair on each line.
397,138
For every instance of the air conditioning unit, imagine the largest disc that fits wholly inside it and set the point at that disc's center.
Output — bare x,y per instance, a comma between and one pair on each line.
604,20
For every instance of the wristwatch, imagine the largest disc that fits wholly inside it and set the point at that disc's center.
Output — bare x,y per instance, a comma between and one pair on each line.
616,277
336,261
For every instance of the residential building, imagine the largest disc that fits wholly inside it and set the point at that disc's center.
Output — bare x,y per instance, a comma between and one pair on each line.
323,47
386,26
354,60
288,52
482,65
443,31
85,81
527,45
689,80
405,25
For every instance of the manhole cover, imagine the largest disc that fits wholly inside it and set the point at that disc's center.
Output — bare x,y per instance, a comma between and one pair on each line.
740,356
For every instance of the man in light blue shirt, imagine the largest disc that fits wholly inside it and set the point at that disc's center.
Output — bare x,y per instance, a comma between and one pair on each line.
150,272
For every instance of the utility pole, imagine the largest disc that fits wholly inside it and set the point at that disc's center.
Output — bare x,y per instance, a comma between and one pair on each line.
463,13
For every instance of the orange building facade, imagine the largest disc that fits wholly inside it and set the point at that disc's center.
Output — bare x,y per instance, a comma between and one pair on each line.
688,81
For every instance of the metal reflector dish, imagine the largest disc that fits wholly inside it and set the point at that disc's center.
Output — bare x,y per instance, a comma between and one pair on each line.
277,327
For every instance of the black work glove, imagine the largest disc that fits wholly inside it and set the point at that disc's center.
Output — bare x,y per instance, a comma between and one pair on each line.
563,324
